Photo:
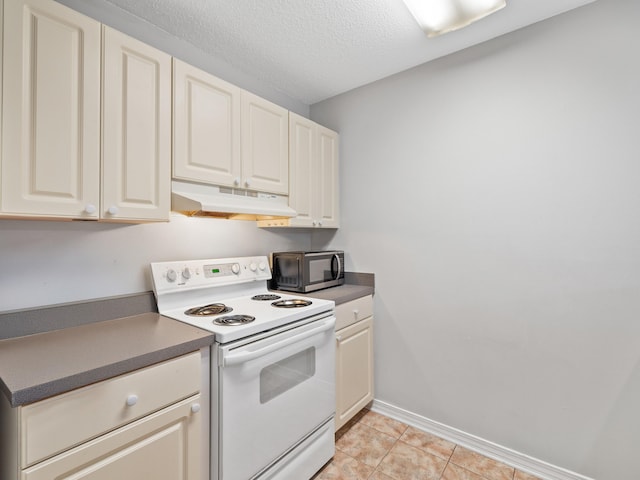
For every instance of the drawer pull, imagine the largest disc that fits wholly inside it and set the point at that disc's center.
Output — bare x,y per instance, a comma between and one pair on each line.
132,400
195,408
355,313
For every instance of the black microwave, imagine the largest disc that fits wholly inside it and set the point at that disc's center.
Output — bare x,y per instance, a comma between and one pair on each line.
305,272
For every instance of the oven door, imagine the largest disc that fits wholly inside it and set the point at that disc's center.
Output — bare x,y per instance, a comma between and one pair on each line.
273,393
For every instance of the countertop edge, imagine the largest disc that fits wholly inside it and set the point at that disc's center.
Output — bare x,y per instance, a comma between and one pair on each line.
62,385
81,358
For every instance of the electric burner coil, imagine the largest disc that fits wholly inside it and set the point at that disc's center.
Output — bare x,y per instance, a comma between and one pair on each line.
208,310
292,303
234,320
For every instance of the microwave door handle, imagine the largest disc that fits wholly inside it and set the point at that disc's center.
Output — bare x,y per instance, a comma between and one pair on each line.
339,271
242,357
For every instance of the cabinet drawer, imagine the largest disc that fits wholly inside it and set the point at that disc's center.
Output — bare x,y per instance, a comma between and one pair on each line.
353,311
55,424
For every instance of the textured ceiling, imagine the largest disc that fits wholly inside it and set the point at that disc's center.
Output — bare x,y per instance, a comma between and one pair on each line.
311,50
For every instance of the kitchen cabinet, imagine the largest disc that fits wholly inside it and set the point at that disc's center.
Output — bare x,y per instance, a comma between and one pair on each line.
206,128
265,145
313,176
86,119
51,111
226,136
136,131
146,424
354,358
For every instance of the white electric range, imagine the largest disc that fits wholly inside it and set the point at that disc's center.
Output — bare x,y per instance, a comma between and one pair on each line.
272,366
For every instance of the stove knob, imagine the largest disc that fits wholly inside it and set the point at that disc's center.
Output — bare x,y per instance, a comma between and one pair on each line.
262,266
253,267
235,268
186,273
172,275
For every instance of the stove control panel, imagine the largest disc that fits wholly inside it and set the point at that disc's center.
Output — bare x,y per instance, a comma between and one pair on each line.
185,275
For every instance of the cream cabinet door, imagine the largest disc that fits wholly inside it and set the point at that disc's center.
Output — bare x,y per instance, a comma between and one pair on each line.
51,111
265,145
206,127
302,166
354,369
328,185
313,170
161,446
136,130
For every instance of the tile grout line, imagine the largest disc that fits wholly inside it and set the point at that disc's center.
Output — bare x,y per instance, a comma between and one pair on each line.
448,461
388,451
390,448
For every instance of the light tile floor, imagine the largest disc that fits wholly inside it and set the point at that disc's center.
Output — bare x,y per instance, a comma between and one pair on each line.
374,447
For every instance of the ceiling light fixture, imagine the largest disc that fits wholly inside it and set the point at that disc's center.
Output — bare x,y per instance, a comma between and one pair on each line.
441,16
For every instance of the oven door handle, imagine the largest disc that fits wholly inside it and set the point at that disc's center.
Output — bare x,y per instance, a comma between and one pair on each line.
242,357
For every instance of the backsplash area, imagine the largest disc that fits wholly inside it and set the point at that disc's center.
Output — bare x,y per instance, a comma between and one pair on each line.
47,263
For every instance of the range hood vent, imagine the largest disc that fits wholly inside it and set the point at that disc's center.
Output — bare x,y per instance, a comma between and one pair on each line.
194,199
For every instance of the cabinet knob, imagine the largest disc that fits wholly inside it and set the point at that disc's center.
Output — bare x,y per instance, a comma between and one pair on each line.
338,338
247,183
320,223
132,400
236,181
112,210
90,208
195,408
314,223
355,313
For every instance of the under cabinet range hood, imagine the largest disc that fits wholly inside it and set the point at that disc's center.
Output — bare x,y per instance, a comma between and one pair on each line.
194,199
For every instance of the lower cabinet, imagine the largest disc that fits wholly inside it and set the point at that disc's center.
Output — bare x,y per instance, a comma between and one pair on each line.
354,358
145,424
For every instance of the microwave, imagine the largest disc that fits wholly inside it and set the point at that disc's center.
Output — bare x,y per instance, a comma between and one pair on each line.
305,272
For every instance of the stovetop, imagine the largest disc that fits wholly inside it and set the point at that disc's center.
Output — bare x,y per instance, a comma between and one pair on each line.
183,285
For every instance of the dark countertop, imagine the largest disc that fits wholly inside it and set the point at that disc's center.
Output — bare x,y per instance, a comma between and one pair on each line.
38,366
356,285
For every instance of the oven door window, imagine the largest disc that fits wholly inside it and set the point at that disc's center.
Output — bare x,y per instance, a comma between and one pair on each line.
285,374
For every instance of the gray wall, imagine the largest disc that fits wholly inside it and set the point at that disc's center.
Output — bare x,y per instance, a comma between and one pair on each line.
496,195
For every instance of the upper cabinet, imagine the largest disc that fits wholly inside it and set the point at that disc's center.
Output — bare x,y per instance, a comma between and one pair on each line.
52,165
313,170
51,111
265,145
327,184
95,124
136,130
226,136
206,127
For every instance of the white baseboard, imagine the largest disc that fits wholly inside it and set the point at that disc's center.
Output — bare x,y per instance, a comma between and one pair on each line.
489,449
